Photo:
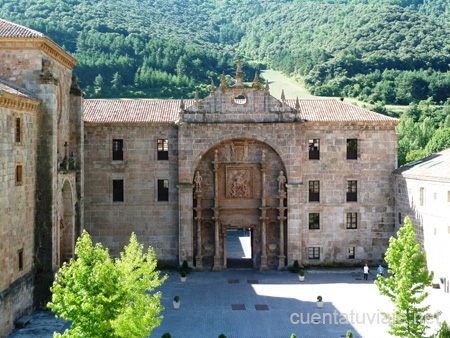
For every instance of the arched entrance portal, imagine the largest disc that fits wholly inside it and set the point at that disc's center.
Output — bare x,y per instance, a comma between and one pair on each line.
66,225
240,184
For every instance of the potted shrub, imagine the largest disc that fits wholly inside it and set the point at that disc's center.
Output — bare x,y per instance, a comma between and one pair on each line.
166,335
319,302
301,275
349,334
176,302
183,276
295,268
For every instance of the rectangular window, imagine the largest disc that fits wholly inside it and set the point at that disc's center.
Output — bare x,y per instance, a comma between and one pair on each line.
352,149
314,253
351,252
163,149
19,174
400,218
422,190
117,190
314,149
314,191
117,150
352,220
163,190
352,191
20,257
18,130
314,221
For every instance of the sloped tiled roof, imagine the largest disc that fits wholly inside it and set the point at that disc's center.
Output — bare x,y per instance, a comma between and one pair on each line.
435,166
6,87
13,30
132,111
336,111
163,111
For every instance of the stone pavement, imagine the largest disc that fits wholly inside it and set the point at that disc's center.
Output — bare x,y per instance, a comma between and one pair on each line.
247,303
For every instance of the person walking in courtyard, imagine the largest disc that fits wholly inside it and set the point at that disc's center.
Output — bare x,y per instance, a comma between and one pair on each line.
380,270
366,272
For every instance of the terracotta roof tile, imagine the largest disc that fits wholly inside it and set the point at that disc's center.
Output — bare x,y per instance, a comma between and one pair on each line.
13,30
435,166
10,88
331,110
132,111
164,111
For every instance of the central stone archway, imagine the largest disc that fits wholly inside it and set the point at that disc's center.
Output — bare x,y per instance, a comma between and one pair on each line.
240,184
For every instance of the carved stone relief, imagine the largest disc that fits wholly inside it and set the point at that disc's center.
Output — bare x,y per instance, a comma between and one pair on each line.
239,182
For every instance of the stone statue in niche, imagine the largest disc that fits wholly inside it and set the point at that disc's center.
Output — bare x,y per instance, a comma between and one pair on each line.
198,181
281,182
240,185
46,75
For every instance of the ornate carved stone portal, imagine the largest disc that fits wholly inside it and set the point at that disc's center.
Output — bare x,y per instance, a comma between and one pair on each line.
237,186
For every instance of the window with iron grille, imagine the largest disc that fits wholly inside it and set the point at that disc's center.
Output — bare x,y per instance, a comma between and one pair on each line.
314,222
314,253
314,191
163,190
118,191
117,150
352,191
352,149
351,252
163,149
18,130
314,149
352,220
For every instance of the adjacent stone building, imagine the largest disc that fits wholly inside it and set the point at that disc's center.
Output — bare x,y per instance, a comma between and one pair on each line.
41,159
423,194
310,179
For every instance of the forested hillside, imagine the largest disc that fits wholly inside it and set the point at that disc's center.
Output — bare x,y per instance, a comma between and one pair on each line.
378,51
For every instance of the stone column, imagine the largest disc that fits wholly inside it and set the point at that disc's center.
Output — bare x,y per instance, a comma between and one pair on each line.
281,218
294,222
198,209
185,223
263,217
217,261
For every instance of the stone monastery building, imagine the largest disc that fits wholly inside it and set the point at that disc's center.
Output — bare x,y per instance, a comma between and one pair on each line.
310,180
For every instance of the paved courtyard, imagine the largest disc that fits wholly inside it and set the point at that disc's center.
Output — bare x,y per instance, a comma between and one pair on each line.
247,303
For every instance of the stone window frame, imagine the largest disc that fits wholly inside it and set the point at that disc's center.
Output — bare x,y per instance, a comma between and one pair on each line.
308,219
18,173
20,259
117,178
351,252
233,100
315,251
313,150
310,196
157,180
20,134
352,155
161,154
347,220
119,155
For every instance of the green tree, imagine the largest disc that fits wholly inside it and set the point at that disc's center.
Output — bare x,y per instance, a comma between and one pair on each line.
406,286
106,298
440,141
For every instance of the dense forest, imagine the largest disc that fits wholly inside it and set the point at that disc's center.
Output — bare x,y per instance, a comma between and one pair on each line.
383,52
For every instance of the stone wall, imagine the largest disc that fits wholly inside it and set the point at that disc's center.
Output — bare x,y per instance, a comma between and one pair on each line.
17,209
431,218
111,223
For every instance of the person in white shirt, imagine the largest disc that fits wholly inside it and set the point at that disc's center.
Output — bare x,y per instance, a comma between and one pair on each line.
366,272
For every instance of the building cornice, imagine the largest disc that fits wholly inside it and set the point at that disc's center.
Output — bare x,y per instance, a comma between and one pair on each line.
45,44
10,101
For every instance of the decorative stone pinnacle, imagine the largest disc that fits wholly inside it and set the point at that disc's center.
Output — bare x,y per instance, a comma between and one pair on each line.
75,88
182,103
256,80
283,98
212,86
196,99
223,82
297,104
267,85
239,70
216,155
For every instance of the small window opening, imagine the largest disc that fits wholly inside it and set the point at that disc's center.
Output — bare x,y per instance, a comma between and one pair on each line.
163,149
20,257
314,149
240,99
163,190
